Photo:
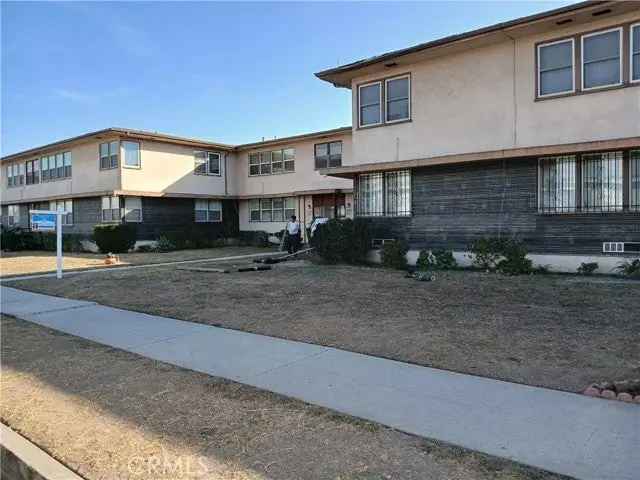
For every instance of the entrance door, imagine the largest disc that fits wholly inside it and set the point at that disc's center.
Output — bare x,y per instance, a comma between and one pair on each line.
329,205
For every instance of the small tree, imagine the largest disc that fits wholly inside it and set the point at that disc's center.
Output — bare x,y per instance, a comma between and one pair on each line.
394,254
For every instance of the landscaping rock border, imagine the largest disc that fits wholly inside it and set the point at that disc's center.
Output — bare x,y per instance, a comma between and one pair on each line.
623,390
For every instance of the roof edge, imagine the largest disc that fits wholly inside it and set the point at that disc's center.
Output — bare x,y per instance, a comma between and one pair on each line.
324,74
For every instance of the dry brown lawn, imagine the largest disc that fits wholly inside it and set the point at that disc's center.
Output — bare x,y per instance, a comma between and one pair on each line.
109,414
34,262
555,331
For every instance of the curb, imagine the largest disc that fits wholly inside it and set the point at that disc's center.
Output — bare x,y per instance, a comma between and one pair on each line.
21,459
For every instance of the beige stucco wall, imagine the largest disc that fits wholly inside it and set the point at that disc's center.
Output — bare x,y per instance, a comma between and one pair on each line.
482,100
305,177
169,169
86,177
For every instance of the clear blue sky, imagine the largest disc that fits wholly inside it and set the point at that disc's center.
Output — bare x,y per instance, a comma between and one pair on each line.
228,72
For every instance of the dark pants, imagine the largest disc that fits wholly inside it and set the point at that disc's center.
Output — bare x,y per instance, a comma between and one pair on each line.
294,243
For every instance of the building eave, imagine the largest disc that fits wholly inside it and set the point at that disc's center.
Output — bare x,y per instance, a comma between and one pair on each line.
352,171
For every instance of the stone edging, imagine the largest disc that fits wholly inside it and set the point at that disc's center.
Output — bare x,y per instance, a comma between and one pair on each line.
22,459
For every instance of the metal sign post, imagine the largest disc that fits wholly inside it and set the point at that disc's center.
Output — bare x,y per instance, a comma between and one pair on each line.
48,221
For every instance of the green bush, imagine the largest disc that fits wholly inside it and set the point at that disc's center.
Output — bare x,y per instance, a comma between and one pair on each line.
164,244
394,254
254,238
343,240
118,238
587,268
514,261
630,268
436,259
16,239
487,252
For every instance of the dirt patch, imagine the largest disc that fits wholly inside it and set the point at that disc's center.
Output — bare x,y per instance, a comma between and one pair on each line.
540,330
26,263
106,413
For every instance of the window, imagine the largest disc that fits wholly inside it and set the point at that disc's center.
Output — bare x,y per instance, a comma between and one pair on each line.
383,194
44,162
602,182
13,214
131,154
64,206
556,68
10,178
369,104
67,164
602,59
207,163
208,210
397,106
109,154
558,184
635,53
33,172
271,209
328,154
59,165
132,209
634,180
110,209
254,164
268,163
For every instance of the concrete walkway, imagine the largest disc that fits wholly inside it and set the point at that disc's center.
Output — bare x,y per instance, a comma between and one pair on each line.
569,434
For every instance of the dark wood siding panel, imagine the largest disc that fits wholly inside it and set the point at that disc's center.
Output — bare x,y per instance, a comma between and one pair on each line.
454,205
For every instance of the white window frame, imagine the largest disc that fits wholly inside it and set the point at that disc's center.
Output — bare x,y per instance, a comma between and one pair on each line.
124,157
631,28
573,67
284,161
110,154
208,210
287,210
207,163
127,210
632,195
380,116
594,34
55,205
13,219
102,209
386,98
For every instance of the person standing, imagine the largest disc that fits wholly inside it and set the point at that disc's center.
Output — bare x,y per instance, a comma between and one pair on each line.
293,233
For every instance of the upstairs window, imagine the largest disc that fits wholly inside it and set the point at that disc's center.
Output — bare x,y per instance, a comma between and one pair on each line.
274,162
110,209
208,211
556,73
558,184
13,175
397,105
67,163
635,53
109,155
328,155
369,104
207,163
602,59
63,206
33,172
131,154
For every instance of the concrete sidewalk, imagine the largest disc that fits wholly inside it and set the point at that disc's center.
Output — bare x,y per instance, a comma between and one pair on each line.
569,434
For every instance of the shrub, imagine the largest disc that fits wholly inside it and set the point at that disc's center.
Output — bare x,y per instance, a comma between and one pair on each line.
437,259
115,238
394,254
587,268
16,239
344,240
630,268
514,261
146,248
487,252
254,239
164,244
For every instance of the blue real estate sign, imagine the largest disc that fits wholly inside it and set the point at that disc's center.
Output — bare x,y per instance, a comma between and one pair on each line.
43,222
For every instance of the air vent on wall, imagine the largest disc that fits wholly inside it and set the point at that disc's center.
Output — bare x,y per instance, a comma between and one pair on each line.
621,247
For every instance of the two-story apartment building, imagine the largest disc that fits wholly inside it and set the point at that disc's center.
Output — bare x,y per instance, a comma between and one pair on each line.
164,183
529,128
